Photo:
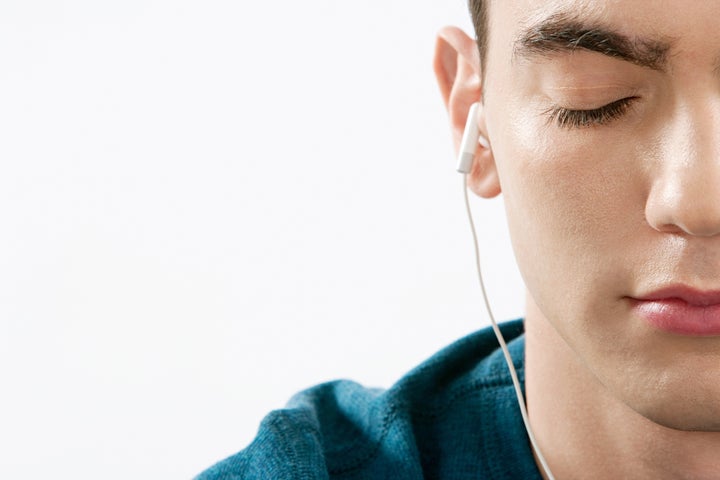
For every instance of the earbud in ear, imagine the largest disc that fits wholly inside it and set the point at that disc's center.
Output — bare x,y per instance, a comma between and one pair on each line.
471,139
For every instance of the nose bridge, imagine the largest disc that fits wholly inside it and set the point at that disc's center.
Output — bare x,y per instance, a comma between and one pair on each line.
697,153
685,194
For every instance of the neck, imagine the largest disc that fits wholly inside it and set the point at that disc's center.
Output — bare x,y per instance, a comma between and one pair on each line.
586,433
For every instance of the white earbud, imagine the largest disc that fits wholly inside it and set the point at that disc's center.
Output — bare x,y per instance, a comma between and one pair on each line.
483,141
471,139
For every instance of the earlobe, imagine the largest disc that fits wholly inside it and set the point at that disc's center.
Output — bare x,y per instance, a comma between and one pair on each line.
457,68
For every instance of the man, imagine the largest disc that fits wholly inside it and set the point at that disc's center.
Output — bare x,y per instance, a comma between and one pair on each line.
603,121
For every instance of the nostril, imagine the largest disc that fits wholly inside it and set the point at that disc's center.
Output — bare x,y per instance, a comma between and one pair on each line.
692,211
668,228
695,224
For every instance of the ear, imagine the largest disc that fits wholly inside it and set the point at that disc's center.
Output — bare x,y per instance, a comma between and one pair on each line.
457,68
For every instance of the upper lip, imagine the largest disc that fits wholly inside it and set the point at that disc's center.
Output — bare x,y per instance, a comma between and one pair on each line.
692,296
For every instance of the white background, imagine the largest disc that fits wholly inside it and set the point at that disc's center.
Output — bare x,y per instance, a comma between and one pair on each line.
208,206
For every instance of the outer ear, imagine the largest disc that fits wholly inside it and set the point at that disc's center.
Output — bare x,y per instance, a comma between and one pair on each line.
457,68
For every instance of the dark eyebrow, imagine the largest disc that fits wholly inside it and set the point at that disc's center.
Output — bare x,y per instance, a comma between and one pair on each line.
563,33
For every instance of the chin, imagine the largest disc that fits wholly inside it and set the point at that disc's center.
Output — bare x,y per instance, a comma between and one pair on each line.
671,380
690,404
685,421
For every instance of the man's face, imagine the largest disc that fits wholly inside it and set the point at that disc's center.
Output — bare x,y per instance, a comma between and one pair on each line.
609,164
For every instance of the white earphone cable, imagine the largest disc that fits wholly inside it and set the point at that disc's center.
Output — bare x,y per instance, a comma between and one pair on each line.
501,340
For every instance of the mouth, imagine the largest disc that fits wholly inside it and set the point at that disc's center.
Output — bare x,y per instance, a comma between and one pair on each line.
681,310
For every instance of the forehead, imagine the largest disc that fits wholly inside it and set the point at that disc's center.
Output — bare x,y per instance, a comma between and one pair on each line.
634,12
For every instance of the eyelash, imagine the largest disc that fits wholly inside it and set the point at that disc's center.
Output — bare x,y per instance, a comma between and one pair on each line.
567,118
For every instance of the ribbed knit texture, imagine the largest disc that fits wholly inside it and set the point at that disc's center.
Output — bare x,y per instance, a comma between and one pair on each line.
454,417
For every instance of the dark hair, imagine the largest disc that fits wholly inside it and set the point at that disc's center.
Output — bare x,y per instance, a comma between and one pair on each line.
479,14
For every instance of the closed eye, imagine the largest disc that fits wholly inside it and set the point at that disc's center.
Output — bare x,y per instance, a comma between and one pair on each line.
567,118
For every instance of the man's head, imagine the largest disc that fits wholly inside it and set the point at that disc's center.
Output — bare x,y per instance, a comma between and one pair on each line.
604,122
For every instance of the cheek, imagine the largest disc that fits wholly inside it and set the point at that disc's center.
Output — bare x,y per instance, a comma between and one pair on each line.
573,203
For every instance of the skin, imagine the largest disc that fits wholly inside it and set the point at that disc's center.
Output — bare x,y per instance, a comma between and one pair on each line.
601,213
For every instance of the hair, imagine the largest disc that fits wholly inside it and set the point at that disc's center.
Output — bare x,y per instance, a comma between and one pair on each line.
479,14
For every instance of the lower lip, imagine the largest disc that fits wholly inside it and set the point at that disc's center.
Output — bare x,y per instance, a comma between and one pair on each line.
677,316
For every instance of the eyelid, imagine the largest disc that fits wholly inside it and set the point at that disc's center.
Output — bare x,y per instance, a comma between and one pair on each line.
590,87
572,118
591,96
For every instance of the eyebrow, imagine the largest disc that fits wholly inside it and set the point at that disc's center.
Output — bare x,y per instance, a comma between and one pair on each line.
563,33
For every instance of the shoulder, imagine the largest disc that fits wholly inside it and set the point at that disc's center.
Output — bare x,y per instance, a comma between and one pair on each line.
444,416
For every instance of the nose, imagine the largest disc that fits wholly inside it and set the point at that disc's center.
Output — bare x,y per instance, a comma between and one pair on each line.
685,190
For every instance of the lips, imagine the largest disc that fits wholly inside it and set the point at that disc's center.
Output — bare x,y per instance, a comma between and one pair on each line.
681,310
